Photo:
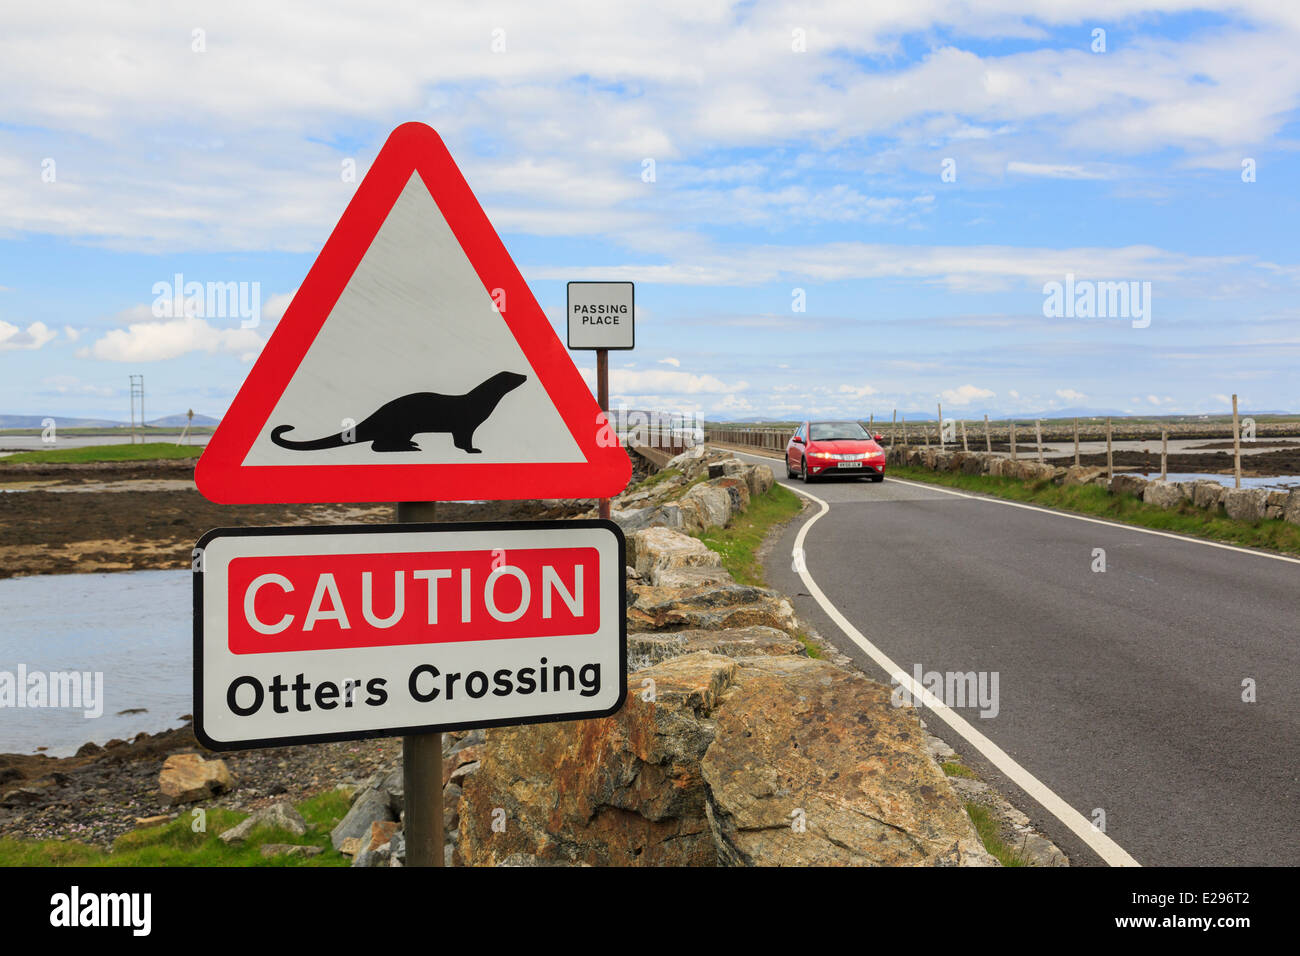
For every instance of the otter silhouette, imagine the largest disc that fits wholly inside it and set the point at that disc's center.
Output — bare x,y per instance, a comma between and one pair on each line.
395,424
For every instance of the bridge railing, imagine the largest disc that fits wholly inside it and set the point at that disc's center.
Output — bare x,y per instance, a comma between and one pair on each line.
770,439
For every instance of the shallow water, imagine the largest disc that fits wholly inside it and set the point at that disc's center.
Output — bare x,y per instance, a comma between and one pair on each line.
134,626
1272,482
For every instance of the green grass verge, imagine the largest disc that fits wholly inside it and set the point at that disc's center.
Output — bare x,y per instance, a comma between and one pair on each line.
954,769
1270,534
150,452
739,541
176,843
987,828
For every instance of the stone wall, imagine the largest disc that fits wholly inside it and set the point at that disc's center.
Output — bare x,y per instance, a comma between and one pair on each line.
1243,504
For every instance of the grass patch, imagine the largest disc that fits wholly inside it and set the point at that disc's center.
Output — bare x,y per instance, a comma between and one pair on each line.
739,541
954,769
1269,534
176,843
149,452
809,647
658,478
987,828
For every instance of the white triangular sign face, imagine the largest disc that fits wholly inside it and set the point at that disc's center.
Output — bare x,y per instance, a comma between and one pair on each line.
413,364
369,352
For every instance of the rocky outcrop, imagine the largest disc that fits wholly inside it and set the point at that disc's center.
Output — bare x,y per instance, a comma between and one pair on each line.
619,791
810,765
708,755
648,648
186,778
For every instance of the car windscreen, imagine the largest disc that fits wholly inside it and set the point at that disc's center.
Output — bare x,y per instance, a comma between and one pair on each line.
833,431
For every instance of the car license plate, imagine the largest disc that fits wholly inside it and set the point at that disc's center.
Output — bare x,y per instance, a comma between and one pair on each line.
850,464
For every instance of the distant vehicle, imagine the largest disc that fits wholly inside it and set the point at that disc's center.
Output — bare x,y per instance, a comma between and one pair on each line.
834,448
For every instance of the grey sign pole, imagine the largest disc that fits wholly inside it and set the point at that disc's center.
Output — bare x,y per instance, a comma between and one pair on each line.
422,757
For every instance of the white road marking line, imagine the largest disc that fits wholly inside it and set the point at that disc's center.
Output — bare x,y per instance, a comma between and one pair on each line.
1103,521
1104,846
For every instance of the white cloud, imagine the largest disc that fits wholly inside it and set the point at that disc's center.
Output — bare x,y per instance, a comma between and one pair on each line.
156,341
966,394
1070,395
675,363
663,382
34,336
857,391
71,334
1053,171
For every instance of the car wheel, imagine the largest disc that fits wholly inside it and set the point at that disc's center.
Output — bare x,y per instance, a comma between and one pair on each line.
877,478
803,471
789,472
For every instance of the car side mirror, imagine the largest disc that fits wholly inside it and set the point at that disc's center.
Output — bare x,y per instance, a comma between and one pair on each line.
878,437
797,440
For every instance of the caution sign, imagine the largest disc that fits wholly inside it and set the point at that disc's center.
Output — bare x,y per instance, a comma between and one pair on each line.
306,634
414,364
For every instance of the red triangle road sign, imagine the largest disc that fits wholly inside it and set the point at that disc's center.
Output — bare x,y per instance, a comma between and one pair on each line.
413,364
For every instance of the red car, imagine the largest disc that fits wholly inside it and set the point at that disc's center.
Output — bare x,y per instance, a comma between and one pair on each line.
834,448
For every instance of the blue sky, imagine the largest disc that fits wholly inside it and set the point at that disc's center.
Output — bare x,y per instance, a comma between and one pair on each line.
794,147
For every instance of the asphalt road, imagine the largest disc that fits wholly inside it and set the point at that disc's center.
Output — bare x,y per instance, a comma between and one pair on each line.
1118,690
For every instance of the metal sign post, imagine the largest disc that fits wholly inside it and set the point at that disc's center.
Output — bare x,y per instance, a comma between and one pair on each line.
602,399
422,757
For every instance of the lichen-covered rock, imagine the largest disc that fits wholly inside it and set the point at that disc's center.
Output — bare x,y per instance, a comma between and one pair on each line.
737,489
1164,494
1245,504
655,550
1081,475
692,577
186,778
1128,485
647,648
760,479
712,607
370,806
1207,494
1291,510
811,765
714,504
624,790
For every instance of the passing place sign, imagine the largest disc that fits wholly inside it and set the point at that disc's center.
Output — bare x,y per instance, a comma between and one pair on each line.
337,633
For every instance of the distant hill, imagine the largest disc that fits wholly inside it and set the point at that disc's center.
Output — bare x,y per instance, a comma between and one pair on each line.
167,421
34,421
179,420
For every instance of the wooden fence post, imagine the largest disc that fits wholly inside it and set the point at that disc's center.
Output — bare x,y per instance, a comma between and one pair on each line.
1236,445
1110,458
